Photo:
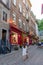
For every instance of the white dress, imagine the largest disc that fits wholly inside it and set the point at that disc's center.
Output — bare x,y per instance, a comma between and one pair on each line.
24,51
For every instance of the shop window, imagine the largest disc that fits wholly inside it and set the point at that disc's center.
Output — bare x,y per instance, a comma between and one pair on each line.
4,16
20,23
14,18
14,38
20,8
14,2
27,40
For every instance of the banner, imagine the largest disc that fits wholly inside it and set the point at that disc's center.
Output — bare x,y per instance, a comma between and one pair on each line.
42,9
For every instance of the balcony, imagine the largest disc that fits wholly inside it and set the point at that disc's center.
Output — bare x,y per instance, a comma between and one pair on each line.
5,3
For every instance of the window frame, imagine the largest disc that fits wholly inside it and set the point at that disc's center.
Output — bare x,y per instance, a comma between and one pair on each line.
4,16
24,12
20,23
20,8
24,26
14,17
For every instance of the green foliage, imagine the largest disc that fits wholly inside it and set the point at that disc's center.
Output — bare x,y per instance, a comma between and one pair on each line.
41,40
40,25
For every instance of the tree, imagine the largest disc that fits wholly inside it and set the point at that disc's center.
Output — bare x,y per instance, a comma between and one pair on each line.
40,25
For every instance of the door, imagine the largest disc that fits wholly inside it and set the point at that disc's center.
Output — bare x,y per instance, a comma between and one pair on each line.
4,34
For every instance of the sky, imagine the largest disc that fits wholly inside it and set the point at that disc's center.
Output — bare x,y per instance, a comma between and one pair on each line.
36,8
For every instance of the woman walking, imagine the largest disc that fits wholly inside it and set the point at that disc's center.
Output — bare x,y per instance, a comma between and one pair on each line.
24,52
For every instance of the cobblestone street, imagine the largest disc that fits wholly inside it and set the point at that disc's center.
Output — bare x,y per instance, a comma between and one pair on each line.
35,57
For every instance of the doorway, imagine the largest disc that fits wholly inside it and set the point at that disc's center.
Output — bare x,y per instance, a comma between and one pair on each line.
4,34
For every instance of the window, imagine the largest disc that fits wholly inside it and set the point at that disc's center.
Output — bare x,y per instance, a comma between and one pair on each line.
20,23
27,6
24,26
4,16
20,8
27,16
14,2
27,27
24,1
14,38
6,2
14,17
24,12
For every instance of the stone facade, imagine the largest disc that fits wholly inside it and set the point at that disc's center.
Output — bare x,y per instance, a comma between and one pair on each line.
4,24
32,23
21,10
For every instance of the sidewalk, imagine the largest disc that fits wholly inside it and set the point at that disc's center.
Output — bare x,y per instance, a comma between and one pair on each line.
14,58
10,58
35,57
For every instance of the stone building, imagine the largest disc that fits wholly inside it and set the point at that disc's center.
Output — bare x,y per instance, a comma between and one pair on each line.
4,17
19,21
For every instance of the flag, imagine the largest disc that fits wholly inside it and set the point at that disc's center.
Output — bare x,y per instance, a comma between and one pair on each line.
42,9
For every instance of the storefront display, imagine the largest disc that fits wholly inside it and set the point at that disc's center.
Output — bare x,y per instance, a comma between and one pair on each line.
17,36
27,39
14,38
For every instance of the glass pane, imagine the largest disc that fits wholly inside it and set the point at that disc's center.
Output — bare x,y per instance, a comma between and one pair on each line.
4,16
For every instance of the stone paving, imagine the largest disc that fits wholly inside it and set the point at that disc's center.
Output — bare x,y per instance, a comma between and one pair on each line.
35,57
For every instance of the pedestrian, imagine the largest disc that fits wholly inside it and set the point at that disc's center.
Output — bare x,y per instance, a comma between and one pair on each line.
24,52
27,45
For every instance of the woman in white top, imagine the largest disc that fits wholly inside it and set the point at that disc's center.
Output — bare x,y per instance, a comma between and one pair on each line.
24,52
